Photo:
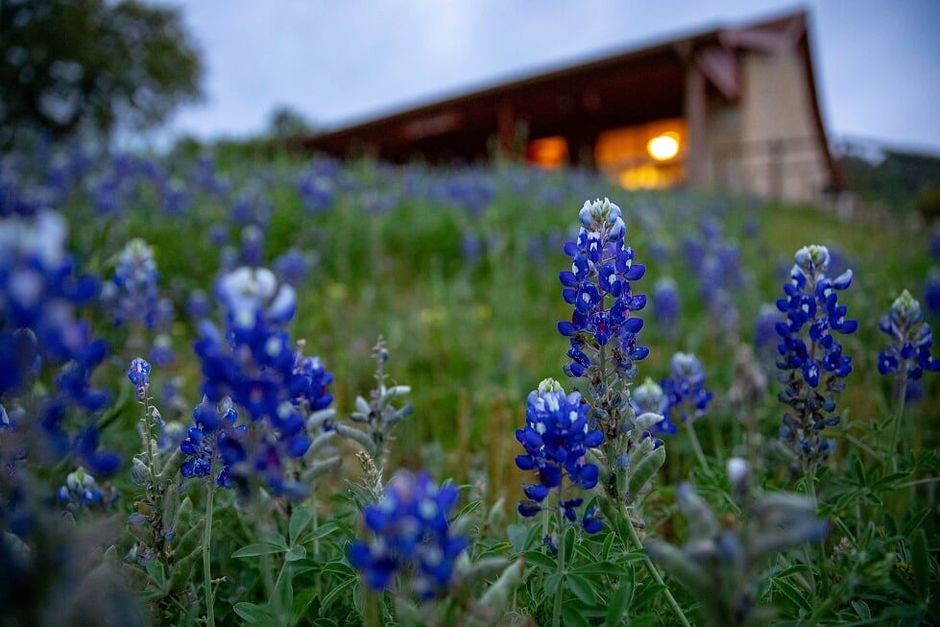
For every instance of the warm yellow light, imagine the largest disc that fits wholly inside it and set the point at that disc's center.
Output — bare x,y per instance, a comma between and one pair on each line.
663,147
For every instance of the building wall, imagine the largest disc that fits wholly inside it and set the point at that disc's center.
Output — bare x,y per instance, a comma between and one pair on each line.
779,152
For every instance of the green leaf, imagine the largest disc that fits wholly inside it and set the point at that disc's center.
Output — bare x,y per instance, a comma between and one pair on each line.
284,591
335,592
296,553
570,535
619,603
299,520
795,596
155,570
572,616
541,560
645,469
552,582
253,614
302,601
861,608
518,535
254,550
919,564
581,588
601,568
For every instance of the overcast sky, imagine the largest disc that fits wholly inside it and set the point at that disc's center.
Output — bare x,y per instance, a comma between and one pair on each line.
877,61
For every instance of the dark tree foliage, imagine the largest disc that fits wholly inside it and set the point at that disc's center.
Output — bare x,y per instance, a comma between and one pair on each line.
77,65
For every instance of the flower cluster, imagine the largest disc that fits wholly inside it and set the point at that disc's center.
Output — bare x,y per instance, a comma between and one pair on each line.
810,353
132,292
214,437
409,533
80,491
253,363
139,375
43,338
602,266
911,340
666,305
556,437
687,398
650,398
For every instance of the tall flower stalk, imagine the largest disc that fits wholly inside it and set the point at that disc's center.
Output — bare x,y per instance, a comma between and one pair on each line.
811,360
604,351
907,355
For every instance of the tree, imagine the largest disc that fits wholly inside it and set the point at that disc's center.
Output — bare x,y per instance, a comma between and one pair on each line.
76,65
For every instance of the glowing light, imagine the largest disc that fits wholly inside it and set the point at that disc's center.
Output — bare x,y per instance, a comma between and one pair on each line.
663,147
547,152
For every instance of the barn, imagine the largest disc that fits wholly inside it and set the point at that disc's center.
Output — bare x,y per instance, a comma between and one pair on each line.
732,108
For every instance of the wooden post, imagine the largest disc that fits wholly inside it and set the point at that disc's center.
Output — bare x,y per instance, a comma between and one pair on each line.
695,110
506,124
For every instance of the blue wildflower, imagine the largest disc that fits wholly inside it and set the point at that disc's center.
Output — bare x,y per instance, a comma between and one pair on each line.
810,353
409,534
686,396
41,333
908,352
213,442
80,491
650,398
666,304
599,287
556,437
139,375
932,292
253,363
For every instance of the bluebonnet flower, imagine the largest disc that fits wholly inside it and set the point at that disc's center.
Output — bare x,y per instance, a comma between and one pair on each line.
602,266
40,332
253,363
292,267
810,353
715,263
765,333
80,491
317,187
908,352
133,299
409,534
650,398
935,243
666,304
132,293
687,398
932,292
213,442
139,375
556,438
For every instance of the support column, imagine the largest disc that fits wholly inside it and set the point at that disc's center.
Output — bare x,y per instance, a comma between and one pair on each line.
506,130
695,109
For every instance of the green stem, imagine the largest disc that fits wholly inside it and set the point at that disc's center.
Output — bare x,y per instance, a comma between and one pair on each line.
206,555
556,610
696,447
371,608
652,570
902,397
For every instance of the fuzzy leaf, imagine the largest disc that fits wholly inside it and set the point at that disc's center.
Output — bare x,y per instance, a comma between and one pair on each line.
644,470
300,518
255,550
253,614
619,603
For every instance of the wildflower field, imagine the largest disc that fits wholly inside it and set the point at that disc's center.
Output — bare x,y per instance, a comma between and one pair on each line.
302,392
